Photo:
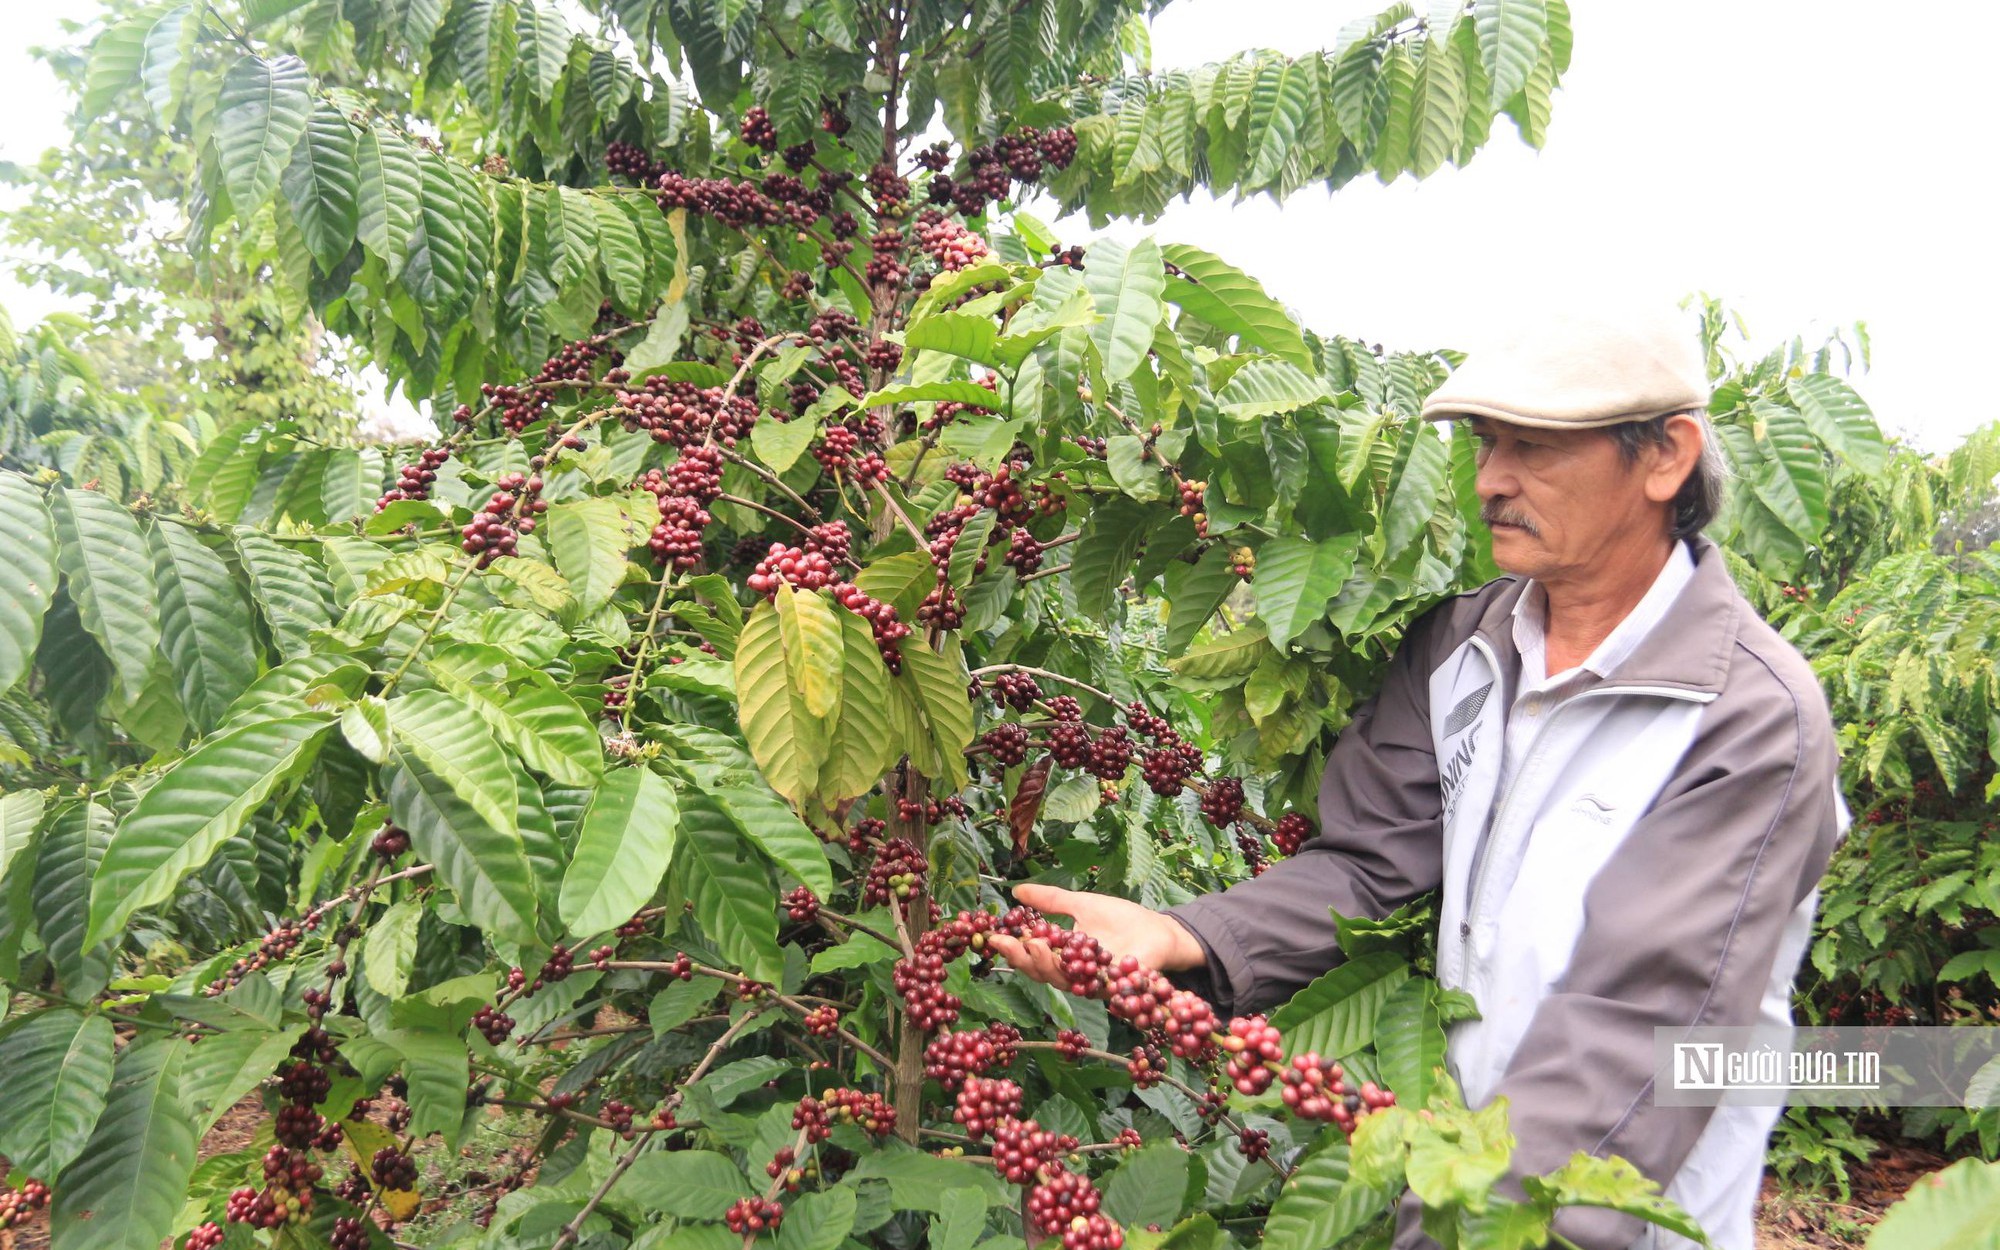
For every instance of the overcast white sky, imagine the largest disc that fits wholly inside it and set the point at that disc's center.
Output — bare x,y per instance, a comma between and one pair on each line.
1812,163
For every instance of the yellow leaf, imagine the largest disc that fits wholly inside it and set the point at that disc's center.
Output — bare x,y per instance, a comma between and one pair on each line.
361,1139
811,633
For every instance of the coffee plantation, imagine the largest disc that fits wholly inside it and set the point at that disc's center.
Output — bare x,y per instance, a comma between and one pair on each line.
814,543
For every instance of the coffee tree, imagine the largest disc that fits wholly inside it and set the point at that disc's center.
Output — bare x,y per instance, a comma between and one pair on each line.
814,543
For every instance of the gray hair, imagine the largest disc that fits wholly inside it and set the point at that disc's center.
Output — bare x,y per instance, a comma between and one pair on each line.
1700,496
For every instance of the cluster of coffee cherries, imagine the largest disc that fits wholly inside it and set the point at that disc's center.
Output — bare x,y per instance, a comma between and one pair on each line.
1243,562
521,405
814,1118
1291,833
1059,1202
865,1109
629,160
15,1204
413,481
837,337
282,939
758,130
390,840
814,566
983,1102
1105,756
919,977
1253,852
1314,1088
1317,1089
683,493
898,872
347,1233
681,413
737,204
988,173
1192,506
888,629
951,1058
202,1236
1222,802
950,244
1023,1148
287,1195
883,355
1142,997
390,1168
496,529
839,453
750,1216
791,566
947,411
1171,760
493,1024
1017,690
802,905
1007,743
1106,753
290,1173
1001,492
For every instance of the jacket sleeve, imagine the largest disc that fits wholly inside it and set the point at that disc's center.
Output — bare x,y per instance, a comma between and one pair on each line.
1682,929
1381,844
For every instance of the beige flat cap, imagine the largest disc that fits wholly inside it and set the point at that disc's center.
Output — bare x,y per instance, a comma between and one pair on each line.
1580,371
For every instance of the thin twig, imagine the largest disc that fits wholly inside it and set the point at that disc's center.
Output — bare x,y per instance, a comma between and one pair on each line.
890,501
574,1228
1193,1094
1105,695
430,627
857,926
639,657
798,1005
771,1191
903,933
771,479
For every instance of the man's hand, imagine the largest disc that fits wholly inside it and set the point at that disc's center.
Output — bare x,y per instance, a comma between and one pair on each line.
1124,928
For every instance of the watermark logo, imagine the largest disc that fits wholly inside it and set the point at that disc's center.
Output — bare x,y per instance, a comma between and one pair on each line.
1713,1065
1828,1067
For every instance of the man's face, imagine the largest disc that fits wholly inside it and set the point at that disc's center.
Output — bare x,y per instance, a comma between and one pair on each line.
1560,503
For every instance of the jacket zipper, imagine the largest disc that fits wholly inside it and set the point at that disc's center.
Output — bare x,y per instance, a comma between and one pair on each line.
1500,808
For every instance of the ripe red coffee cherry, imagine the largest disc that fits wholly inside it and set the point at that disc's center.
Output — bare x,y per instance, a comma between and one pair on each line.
1292,831
1222,805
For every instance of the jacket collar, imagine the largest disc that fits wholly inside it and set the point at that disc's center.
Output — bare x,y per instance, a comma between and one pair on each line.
1688,650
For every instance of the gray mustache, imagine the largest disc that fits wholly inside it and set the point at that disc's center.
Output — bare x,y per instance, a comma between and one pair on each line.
1496,513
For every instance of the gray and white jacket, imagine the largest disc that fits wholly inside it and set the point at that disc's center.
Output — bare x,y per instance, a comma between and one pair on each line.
1653,864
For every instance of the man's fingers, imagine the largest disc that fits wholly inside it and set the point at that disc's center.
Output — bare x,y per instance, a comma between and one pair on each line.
1034,957
1008,949
1048,964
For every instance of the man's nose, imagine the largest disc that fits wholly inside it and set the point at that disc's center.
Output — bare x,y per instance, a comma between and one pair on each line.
1496,477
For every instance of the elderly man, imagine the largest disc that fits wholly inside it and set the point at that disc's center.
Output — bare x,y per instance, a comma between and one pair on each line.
1621,779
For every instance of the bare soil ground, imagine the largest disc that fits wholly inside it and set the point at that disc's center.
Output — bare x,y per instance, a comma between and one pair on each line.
1795,1221
232,1132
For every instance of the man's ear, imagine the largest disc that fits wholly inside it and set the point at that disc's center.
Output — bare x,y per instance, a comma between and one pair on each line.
1667,465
